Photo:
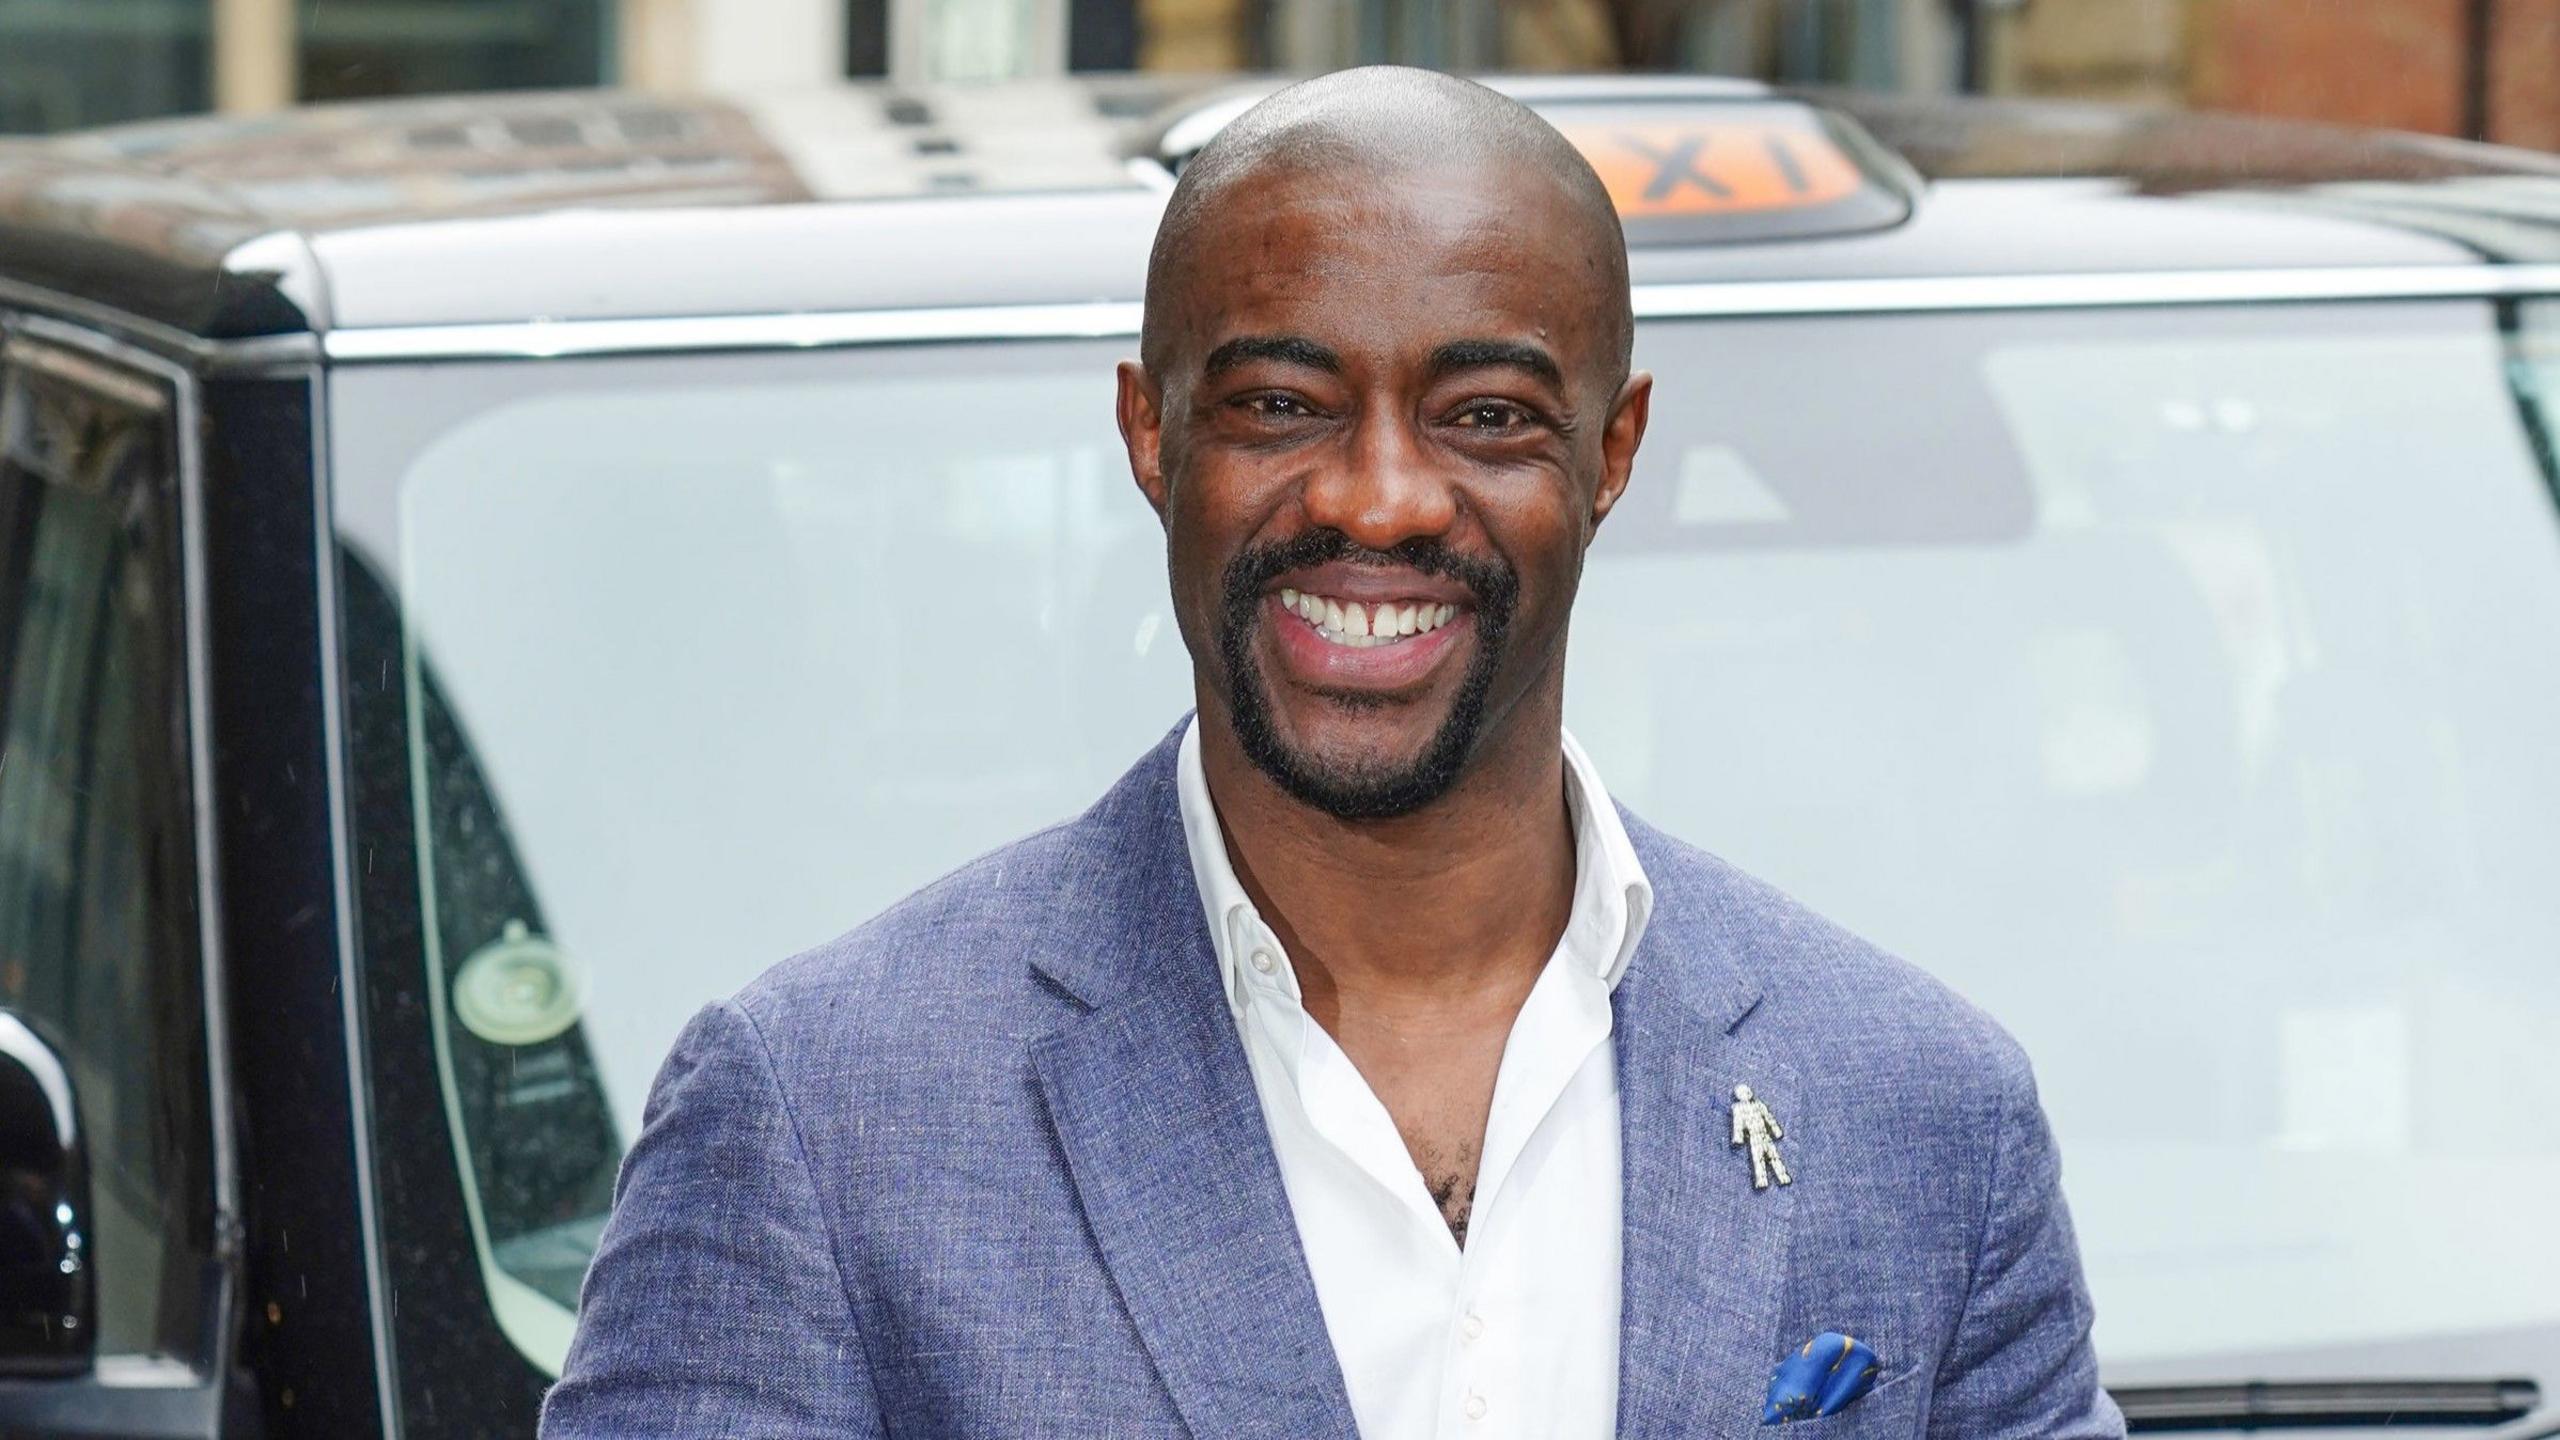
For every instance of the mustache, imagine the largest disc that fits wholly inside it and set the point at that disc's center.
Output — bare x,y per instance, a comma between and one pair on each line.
1495,585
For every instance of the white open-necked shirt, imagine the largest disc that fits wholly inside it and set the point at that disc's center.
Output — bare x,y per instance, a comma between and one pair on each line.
1517,1334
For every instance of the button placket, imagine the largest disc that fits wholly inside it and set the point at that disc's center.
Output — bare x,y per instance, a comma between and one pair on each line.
1468,1357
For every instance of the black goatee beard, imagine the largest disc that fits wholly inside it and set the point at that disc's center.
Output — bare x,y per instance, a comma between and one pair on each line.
1353,791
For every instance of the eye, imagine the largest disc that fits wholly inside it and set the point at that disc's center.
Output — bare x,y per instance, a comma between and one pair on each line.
1276,405
1493,415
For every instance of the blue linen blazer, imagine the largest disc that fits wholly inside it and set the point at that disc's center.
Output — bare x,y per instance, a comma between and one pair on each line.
992,1166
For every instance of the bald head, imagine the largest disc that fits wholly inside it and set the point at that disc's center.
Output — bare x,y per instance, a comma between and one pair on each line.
1372,125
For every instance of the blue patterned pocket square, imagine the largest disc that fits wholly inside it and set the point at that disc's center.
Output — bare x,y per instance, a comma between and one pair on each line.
1824,1378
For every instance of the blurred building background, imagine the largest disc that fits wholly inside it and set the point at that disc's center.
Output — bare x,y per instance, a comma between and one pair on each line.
2482,68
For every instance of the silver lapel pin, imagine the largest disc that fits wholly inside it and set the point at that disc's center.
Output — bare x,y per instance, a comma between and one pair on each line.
1754,1126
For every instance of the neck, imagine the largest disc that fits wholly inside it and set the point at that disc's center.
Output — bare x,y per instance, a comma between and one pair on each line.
1459,903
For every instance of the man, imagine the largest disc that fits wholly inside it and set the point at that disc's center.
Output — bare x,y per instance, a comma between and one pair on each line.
1353,1067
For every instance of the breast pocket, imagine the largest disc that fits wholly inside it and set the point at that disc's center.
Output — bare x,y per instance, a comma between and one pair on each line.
1897,1407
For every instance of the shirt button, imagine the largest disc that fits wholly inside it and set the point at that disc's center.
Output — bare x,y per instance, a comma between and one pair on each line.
1473,1326
1265,961
1475,1407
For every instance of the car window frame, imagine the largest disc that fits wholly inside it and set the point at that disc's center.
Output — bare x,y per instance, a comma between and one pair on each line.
139,1395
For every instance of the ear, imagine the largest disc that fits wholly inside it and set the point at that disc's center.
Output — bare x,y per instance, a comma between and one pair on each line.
1618,442
1141,410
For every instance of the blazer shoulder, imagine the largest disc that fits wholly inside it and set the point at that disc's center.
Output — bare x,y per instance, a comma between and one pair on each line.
953,953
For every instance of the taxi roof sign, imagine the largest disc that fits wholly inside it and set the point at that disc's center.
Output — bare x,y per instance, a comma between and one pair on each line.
1688,160
1763,169
1685,167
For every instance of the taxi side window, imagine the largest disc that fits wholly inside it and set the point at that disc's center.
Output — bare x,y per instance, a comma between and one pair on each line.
98,919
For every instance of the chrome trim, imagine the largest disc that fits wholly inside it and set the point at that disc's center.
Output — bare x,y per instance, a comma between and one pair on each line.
185,417
2094,291
21,1044
342,885
261,357
261,354
163,340
61,353
542,339
1112,319
1108,319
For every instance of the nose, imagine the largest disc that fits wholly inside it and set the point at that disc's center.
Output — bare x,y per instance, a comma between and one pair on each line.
1383,487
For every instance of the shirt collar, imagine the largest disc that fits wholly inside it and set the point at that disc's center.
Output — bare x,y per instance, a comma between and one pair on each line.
1612,899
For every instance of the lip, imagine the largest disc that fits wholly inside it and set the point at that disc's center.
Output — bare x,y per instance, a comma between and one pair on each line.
1372,584
1316,663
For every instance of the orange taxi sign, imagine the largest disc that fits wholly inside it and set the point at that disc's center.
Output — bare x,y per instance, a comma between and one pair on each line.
1732,170
1706,167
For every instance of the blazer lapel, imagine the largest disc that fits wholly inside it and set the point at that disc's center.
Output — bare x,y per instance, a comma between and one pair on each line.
1705,1253
1155,1111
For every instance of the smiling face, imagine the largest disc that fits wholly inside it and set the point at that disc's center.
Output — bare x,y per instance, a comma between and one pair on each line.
1386,409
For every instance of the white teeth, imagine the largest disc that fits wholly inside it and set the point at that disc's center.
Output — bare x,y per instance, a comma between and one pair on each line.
1362,626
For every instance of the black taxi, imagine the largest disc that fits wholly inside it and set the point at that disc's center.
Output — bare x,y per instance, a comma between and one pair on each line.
481,577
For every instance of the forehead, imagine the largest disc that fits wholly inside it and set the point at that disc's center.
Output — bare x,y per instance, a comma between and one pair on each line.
1382,265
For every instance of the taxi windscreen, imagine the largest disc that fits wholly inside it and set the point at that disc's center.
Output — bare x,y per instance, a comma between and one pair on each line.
2177,684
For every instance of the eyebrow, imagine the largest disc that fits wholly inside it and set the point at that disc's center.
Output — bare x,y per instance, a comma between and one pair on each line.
1287,349
1490,354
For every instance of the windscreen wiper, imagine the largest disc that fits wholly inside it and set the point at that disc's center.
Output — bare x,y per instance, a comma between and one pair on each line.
2327,1404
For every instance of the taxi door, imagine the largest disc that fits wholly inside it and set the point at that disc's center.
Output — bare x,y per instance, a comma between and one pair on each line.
115,1276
